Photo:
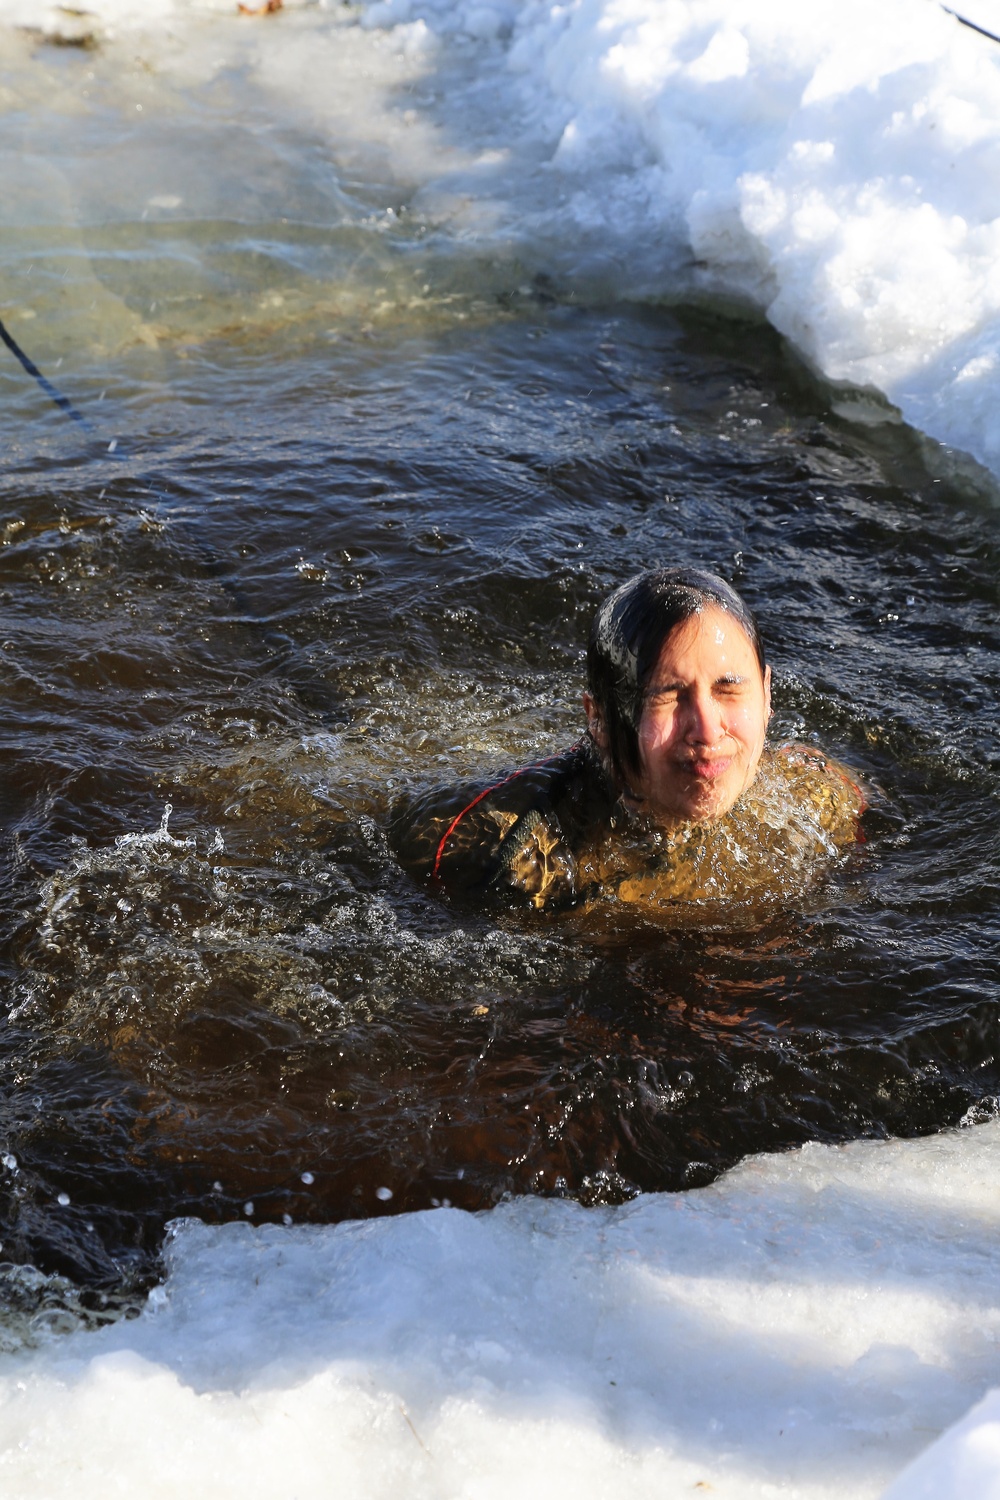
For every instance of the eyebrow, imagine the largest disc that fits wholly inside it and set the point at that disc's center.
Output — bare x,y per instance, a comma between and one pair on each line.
728,679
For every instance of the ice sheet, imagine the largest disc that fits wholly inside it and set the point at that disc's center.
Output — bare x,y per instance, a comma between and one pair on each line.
832,165
802,1328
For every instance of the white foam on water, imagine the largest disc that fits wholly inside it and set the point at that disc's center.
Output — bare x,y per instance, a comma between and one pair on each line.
801,1328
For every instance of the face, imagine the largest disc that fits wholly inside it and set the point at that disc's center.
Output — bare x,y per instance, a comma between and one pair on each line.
703,720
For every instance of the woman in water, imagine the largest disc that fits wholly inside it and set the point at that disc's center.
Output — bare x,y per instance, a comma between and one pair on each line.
672,795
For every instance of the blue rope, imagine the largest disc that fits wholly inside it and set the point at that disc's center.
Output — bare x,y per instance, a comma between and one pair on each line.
63,402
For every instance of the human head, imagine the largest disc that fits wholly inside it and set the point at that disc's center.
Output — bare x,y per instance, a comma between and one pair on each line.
627,640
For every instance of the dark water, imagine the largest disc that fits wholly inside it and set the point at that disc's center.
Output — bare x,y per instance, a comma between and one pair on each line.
317,577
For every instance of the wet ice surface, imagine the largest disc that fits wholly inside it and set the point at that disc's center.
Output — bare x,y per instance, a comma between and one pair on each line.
801,1328
385,435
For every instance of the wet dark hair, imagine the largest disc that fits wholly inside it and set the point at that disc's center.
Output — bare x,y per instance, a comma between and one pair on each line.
626,640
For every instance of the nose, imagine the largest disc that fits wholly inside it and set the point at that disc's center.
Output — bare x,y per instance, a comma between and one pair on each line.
704,719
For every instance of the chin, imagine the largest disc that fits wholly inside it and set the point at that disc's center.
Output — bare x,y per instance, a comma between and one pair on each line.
694,802
706,804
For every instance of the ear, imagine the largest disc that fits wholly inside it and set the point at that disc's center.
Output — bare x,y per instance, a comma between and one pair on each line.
595,723
767,693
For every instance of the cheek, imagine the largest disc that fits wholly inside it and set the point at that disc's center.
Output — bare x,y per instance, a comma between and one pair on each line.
748,724
654,736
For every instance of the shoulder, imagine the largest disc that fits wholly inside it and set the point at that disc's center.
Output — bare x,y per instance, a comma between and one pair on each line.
833,790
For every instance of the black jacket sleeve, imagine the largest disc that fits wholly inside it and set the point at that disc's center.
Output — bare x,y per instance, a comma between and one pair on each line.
492,837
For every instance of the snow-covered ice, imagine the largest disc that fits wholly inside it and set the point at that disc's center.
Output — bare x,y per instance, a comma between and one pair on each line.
965,1461
802,1328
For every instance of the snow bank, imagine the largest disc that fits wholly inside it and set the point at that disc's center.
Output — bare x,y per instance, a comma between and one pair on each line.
801,1329
832,163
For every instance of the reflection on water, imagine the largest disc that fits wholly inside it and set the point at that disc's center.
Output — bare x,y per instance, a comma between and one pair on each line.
319,584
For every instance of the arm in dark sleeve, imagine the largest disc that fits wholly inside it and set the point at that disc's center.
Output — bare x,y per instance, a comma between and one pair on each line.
475,839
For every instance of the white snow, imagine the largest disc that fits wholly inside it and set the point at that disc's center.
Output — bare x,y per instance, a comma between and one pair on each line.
802,1328
832,163
966,1461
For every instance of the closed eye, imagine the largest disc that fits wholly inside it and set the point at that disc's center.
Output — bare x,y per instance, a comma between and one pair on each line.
729,686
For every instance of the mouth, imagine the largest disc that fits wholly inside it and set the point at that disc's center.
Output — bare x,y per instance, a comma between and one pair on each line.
705,769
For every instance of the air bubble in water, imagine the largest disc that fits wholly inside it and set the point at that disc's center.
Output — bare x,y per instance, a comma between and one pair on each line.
9,1161
308,1179
383,1193
216,1187
286,1219
63,1200
248,1208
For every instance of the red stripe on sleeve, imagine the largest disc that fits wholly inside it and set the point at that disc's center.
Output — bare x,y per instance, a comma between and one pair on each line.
435,873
